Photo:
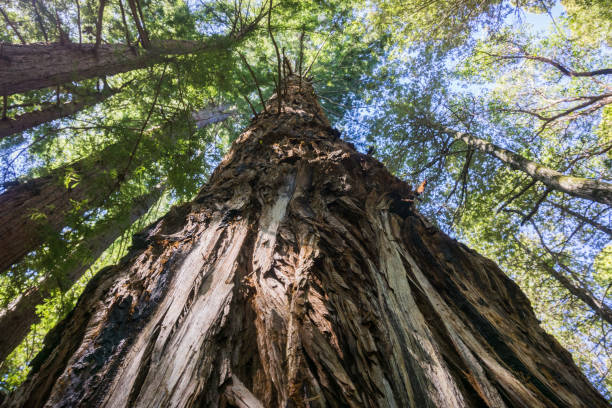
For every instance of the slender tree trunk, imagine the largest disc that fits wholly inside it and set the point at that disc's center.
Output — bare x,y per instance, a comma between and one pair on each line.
20,315
580,292
301,275
593,190
29,211
582,218
36,66
32,119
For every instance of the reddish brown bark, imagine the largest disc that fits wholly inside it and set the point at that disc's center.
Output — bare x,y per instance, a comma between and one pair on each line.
32,119
32,209
29,211
35,66
20,315
301,275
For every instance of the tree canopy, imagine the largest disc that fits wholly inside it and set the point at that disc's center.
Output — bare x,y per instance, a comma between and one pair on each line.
123,109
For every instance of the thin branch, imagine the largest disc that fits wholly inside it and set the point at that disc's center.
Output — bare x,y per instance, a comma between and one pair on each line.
64,38
144,36
12,25
465,172
54,18
140,13
126,30
563,69
579,291
582,218
301,55
591,104
99,24
78,6
515,196
121,176
462,176
40,22
261,98
318,51
278,59
251,105
536,207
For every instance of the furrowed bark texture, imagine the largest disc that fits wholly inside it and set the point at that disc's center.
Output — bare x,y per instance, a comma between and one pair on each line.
301,276
30,209
35,66
20,315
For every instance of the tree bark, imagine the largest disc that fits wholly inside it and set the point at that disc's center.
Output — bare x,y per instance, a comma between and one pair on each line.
301,275
32,119
36,66
593,190
20,315
29,211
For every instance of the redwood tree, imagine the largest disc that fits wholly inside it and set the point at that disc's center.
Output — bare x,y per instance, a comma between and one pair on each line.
30,120
30,209
36,66
301,275
17,319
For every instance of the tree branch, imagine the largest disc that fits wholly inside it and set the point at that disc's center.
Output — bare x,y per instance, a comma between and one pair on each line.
590,189
563,69
261,98
536,207
144,36
278,59
144,125
78,6
581,293
99,24
582,218
126,30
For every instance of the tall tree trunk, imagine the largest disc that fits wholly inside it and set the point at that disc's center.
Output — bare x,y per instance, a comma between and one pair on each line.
36,66
301,275
32,119
593,190
20,315
32,209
